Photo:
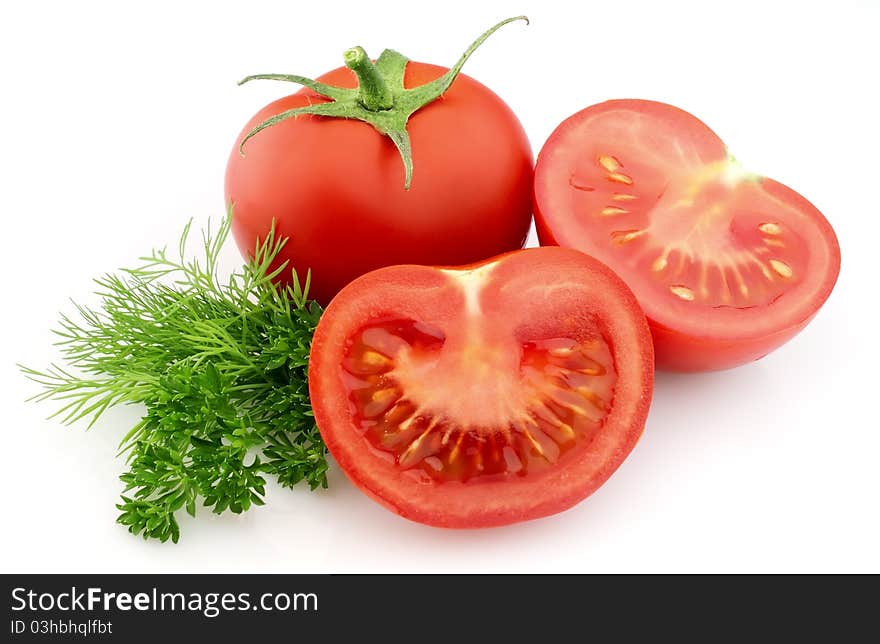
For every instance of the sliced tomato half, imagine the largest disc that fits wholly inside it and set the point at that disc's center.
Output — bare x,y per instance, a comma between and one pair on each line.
483,395
726,264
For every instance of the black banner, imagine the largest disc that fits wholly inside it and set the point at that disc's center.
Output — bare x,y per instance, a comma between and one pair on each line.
456,608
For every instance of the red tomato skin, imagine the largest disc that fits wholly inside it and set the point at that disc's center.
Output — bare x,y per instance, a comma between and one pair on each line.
688,353
481,505
335,187
683,353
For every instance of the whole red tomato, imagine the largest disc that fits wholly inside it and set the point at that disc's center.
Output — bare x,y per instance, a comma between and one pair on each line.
336,186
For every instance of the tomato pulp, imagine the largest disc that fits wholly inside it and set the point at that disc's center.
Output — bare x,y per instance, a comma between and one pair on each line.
727,265
335,187
484,395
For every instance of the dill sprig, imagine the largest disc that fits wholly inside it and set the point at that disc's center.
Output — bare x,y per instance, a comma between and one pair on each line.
221,368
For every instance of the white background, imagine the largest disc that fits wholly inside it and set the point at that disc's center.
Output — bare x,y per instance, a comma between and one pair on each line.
117,123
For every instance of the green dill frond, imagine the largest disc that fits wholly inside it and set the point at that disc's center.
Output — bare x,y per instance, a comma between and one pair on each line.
220,366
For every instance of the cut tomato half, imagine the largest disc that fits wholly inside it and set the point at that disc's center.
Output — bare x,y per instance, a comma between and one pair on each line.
483,395
727,265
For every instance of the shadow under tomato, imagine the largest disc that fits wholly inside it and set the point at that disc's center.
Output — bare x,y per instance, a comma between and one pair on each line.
681,429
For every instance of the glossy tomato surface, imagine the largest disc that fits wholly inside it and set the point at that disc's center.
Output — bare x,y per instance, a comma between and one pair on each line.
727,265
336,187
484,395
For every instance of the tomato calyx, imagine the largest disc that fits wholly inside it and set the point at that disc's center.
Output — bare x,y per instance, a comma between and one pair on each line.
380,98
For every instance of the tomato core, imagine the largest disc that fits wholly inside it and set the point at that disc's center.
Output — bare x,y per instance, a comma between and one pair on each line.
702,236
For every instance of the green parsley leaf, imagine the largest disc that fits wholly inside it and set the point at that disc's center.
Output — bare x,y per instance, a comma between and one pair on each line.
221,368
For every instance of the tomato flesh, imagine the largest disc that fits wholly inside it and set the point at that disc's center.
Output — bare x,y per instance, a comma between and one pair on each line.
727,265
429,410
482,395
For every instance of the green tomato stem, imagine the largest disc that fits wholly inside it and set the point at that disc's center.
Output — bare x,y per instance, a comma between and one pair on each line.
373,91
380,100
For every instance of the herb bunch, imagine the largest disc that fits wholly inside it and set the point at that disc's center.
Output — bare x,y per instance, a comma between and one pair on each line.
221,368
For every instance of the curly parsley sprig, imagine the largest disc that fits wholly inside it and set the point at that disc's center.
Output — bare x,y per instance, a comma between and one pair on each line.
221,368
